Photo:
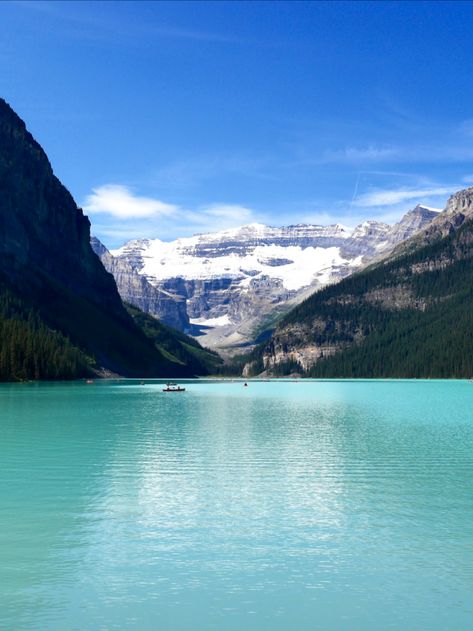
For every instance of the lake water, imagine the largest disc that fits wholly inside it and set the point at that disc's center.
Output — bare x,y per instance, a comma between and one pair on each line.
283,505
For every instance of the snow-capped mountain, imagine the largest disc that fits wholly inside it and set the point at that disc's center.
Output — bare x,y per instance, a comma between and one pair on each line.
235,283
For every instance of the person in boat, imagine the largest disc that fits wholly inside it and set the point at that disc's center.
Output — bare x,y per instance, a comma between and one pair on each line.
173,387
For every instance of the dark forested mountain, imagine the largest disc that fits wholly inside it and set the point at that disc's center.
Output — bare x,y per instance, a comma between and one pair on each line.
60,312
410,315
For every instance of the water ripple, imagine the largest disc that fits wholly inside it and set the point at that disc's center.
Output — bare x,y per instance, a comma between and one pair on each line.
331,505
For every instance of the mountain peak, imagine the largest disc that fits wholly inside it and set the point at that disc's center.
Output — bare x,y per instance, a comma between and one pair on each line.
461,201
422,207
7,111
459,208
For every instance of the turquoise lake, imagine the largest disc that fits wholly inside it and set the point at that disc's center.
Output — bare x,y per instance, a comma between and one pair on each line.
326,505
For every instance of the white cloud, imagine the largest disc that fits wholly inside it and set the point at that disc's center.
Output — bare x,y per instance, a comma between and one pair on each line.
123,215
119,215
216,217
398,196
120,202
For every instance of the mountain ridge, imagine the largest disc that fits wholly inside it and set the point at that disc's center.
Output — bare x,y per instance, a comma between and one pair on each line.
233,281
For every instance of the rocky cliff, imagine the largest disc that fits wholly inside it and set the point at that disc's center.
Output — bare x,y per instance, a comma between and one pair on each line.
236,283
136,290
41,228
459,208
48,266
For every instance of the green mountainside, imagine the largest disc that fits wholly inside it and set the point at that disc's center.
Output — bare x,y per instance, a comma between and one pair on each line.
60,312
410,315
176,346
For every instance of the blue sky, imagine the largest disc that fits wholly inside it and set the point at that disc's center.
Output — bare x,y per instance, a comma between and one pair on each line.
165,119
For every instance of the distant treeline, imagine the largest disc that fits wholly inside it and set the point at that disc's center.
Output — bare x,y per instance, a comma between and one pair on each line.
31,350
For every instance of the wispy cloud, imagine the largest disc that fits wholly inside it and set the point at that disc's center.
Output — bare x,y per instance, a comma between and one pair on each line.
370,153
406,139
228,212
392,197
195,170
102,24
210,218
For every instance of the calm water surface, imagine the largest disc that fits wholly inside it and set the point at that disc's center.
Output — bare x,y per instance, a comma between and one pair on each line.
284,505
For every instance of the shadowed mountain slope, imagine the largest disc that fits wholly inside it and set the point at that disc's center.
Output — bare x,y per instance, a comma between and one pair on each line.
57,285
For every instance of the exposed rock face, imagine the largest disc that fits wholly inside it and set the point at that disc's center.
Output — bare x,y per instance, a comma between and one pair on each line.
136,290
237,282
394,298
459,208
306,343
34,208
46,259
413,221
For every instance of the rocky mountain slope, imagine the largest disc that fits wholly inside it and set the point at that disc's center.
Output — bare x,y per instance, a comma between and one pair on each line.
232,285
136,290
56,299
409,315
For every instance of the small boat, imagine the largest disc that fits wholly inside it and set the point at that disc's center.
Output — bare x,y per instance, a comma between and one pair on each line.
173,387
